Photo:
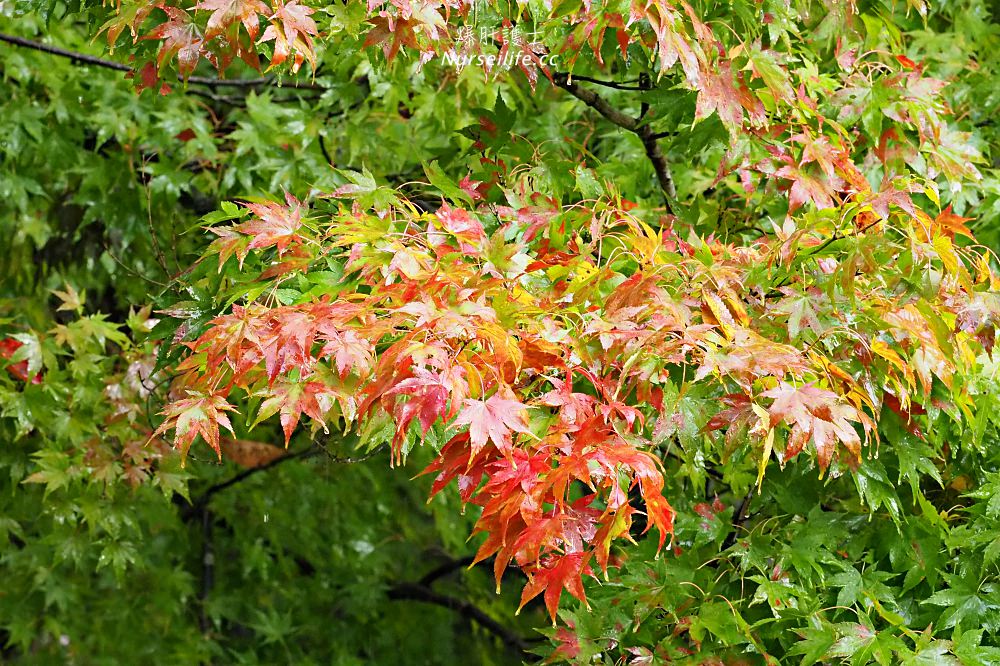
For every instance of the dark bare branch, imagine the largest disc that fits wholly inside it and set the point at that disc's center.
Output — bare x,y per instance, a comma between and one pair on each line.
740,516
83,58
617,85
596,102
421,593
635,125
445,569
203,499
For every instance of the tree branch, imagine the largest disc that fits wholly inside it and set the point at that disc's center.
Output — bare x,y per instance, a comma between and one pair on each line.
661,168
202,500
247,473
423,594
347,460
445,569
838,236
634,125
596,102
623,85
740,516
207,568
83,58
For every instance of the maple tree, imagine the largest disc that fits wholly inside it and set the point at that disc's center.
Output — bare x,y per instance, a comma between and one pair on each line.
681,302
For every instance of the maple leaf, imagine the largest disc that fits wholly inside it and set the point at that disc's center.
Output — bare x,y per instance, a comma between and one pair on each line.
575,408
905,414
522,471
558,573
672,42
658,511
615,455
130,15
750,355
286,340
817,412
291,29
228,12
738,411
978,317
817,189
462,225
455,464
290,399
397,31
951,224
514,48
674,46
568,643
767,65
181,37
275,225
350,352
891,195
718,93
427,397
198,414
229,242
819,150
799,308
474,188
20,369
493,419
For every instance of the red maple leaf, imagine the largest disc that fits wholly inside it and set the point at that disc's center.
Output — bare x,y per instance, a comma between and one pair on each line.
181,37
718,93
229,242
560,572
398,33
19,369
672,42
228,12
291,29
807,187
950,224
275,225
459,222
198,414
350,352
493,419
427,398
818,413
291,399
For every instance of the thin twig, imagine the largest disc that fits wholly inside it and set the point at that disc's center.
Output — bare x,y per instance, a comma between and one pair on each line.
838,236
740,516
310,452
445,569
617,85
347,460
204,498
157,251
85,59
132,271
219,99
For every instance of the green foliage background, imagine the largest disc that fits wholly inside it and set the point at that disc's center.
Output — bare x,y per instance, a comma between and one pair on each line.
102,190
